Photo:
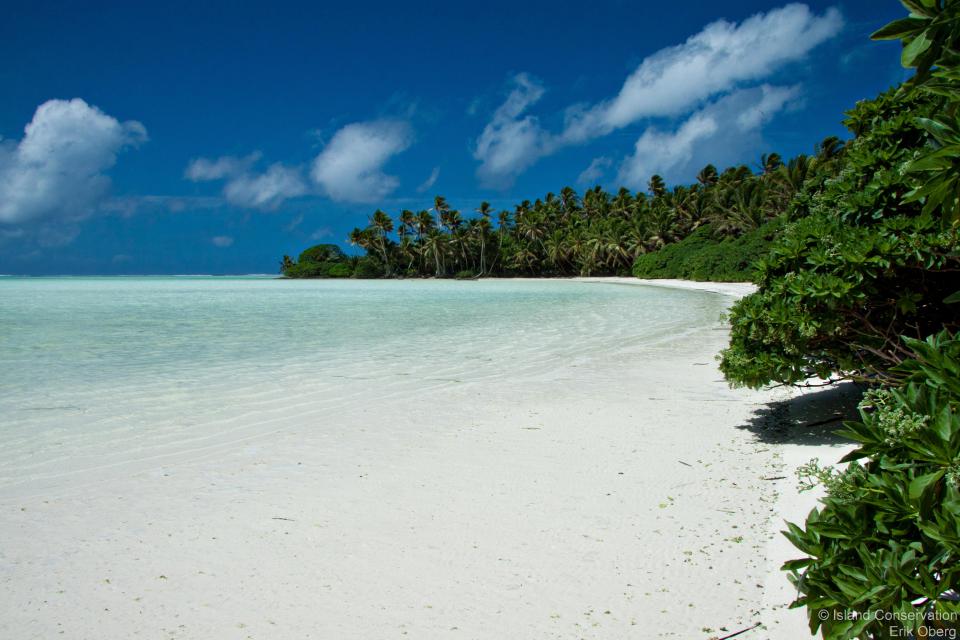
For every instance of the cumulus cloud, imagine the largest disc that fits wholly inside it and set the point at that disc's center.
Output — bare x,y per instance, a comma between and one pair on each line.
350,167
512,141
265,190
222,241
720,57
245,187
594,172
723,58
55,173
724,130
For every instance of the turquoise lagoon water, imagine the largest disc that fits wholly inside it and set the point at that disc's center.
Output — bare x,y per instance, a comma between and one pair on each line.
97,372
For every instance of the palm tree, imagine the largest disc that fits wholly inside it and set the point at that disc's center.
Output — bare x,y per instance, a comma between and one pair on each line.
382,224
359,238
286,264
656,186
423,224
786,182
770,162
459,238
557,249
662,224
691,207
622,205
480,228
435,245
708,176
828,148
741,207
568,201
440,209
407,219
636,240
503,227
523,258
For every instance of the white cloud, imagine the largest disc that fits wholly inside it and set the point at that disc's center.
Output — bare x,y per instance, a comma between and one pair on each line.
722,56
511,141
222,241
430,181
350,167
127,206
57,170
723,131
721,59
266,190
594,172
201,169
244,186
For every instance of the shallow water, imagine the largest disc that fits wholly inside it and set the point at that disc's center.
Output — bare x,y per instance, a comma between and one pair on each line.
96,373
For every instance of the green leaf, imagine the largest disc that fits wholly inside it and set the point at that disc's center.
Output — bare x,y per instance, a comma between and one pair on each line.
919,7
936,128
953,298
921,483
914,50
899,28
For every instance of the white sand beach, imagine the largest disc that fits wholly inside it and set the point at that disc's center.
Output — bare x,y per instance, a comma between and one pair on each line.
627,496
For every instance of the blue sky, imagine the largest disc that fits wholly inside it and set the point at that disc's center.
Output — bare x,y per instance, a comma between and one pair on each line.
215,137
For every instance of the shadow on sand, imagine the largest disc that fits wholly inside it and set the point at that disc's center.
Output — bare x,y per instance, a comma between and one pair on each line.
810,418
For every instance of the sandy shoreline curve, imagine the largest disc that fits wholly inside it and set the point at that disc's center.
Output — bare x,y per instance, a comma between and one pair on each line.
633,495
734,289
796,445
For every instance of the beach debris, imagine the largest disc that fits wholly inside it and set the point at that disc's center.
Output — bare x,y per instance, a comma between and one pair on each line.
737,633
281,518
685,463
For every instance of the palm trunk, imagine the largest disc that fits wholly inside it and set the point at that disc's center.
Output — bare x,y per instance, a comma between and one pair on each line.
483,262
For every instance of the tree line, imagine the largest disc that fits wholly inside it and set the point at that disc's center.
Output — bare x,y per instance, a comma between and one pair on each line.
568,234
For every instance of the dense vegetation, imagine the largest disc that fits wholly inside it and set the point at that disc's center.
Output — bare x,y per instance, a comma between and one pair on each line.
858,266
725,218
883,548
704,256
329,261
862,284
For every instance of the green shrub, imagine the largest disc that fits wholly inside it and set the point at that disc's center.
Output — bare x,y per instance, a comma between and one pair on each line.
466,274
320,261
884,546
340,270
368,267
322,253
860,268
310,269
873,255
701,256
